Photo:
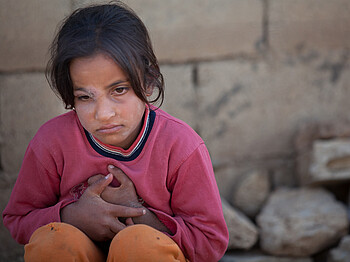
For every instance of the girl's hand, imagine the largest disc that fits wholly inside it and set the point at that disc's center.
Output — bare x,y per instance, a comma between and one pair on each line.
94,216
124,195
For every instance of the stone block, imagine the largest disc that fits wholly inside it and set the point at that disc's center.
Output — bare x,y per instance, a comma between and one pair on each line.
331,161
199,29
252,109
26,102
313,24
307,135
180,96
26,31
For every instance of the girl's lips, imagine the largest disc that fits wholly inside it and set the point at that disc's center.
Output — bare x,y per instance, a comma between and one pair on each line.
109,129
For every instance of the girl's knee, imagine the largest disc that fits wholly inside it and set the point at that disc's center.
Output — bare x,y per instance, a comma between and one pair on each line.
55,235
60,242
143,243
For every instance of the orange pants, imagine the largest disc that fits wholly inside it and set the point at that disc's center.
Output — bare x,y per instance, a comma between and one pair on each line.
63,242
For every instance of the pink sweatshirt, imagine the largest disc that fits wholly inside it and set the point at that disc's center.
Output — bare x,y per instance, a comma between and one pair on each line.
168,164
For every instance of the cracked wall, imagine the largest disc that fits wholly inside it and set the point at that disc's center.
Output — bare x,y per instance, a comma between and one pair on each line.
244,74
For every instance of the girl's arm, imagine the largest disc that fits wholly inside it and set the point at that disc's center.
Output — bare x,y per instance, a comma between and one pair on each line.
197,223
34,202
34,199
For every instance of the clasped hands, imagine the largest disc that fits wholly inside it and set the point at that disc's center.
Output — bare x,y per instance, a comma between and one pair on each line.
97,211
124,195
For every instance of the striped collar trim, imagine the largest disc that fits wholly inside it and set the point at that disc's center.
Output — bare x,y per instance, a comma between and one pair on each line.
135,149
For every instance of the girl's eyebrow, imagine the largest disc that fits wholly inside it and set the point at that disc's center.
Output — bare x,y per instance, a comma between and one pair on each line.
117,83
77,88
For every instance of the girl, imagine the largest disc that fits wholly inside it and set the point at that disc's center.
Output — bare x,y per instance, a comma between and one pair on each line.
114,178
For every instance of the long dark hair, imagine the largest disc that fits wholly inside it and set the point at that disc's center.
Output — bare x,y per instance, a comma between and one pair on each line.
113,29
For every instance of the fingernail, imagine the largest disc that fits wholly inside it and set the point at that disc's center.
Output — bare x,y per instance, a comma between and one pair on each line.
106,177
111,166
144,211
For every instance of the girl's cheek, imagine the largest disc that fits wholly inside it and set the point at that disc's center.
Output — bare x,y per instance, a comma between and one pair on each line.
84,112
85,107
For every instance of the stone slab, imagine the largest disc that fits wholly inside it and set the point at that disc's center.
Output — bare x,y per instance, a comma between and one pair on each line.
26,31
312,24
26,102
331,161
184,30
305,139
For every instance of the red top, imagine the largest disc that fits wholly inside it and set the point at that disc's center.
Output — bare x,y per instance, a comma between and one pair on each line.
168,164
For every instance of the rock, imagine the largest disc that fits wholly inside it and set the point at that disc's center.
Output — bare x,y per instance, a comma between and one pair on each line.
342,252
301,222
259,257
243,233
330,161
251,192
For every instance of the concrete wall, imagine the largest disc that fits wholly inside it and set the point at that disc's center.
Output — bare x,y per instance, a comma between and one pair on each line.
246,74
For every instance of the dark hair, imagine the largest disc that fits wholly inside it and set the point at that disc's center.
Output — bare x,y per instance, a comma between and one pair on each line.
113,29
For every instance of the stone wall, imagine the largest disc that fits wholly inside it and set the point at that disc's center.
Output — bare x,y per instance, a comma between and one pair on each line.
245,74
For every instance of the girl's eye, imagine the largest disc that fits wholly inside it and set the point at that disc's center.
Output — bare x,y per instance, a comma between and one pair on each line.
120,90
83,98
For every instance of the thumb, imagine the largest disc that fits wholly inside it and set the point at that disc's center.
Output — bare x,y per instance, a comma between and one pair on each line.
99,186
94,178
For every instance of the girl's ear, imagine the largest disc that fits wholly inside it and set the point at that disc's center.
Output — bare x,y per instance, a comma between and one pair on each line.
149,90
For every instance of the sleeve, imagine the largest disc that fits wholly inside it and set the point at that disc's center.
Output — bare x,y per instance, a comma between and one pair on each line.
198,224
34,198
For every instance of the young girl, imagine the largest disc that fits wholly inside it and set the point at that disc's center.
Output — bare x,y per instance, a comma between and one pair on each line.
114,178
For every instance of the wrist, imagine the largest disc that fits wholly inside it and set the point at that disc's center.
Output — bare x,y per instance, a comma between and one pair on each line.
67,212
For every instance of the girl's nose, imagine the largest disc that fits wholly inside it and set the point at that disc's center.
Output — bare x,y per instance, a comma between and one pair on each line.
104,110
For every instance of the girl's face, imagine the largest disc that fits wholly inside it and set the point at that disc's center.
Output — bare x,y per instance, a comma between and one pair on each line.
105,102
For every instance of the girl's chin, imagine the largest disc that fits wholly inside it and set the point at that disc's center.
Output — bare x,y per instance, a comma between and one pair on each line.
112,142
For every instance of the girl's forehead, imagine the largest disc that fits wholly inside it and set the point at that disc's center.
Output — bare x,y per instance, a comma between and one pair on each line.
96,70
98,57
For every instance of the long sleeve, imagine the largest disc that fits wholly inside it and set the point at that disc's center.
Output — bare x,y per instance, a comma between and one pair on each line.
171,170
34,199
198,225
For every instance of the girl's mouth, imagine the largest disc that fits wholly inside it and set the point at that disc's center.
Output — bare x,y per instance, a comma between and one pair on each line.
108,129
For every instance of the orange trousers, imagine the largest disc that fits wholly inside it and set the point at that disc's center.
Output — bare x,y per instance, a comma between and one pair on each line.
63,242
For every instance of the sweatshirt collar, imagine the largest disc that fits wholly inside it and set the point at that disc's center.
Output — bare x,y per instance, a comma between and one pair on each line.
135,149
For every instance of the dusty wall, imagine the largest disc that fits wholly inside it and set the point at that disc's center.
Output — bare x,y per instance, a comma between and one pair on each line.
246,74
